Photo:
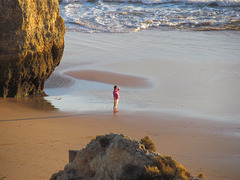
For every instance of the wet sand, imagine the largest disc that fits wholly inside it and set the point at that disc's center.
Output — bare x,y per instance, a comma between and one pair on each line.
111,78
186,73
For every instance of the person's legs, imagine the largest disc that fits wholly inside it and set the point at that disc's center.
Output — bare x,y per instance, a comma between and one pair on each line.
115,106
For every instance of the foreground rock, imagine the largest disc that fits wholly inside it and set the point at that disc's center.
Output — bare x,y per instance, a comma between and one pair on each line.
31,45
117,157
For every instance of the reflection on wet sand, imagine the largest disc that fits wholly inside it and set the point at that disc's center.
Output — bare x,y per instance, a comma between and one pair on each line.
33,101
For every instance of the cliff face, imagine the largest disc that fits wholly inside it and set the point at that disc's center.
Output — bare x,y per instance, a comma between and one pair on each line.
31,45
117,157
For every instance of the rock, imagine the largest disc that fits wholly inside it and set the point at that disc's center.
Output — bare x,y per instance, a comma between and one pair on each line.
58,80
118,157
213,4
72,155
31,45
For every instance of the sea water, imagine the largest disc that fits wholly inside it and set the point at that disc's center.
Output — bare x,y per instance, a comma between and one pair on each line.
117,16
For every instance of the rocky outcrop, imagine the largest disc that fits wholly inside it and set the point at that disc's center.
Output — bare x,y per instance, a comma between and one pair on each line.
31,45
117,157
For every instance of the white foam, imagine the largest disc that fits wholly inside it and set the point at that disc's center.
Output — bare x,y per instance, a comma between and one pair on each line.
102,16
207,2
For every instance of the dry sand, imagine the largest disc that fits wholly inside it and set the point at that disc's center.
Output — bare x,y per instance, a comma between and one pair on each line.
35,143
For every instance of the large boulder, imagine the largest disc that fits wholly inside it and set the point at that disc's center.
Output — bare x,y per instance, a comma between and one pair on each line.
118,157
31,45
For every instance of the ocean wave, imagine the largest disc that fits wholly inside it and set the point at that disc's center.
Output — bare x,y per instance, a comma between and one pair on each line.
196,26
119,17
221,3
92,27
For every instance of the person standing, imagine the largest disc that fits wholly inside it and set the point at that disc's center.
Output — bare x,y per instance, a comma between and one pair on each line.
116,98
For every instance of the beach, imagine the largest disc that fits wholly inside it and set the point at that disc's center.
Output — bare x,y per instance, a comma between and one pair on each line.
35,144
179,87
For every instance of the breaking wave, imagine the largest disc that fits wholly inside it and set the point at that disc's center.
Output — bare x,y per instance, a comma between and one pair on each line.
118,16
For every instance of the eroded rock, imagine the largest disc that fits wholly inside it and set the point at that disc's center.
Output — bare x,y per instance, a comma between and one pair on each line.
31,45
118,157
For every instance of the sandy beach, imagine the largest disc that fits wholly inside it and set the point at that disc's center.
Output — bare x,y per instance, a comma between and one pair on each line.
196,128
35,144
